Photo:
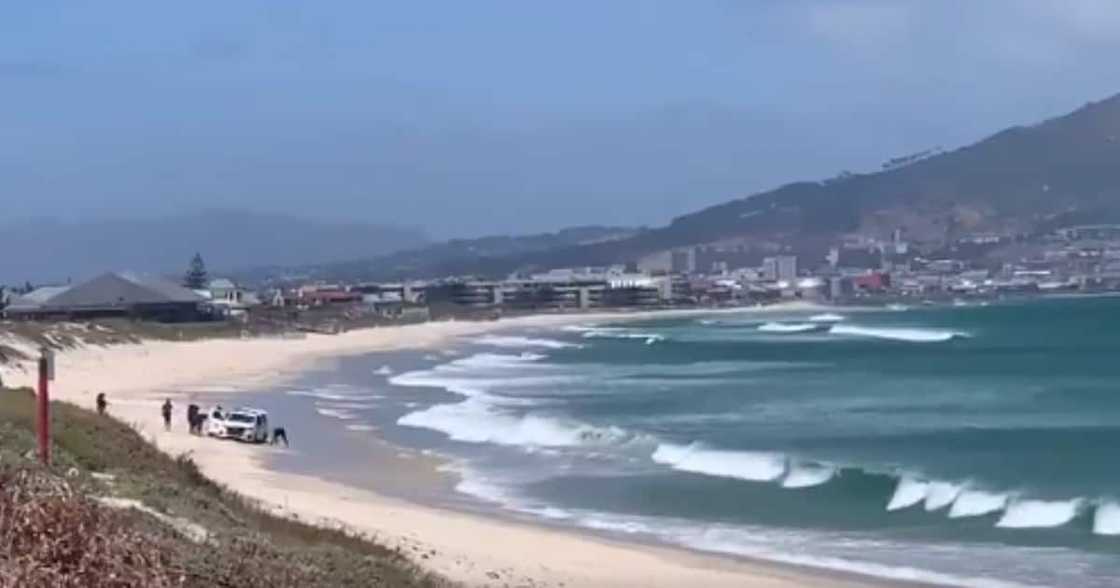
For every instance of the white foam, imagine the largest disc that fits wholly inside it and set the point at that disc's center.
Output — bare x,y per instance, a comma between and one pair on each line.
346,405
1024,514
910,491
494,360
941,494
476,421
806,476
773,545
786,327
383,371
619,333
743,465
361,427
1106,520
522,342
827,317
318,394
336,413
976,503
912,335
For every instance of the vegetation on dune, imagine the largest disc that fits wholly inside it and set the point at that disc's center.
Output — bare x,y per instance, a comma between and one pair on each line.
58,527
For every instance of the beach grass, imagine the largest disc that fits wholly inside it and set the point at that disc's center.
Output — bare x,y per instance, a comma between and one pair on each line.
98,457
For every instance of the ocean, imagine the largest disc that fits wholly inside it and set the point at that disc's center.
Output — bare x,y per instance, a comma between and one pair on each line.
965,445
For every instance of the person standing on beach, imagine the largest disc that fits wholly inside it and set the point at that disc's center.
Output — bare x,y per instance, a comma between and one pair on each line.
192,418
102,404
166,410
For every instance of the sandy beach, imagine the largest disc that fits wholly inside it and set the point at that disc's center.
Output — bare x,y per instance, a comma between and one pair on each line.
469,548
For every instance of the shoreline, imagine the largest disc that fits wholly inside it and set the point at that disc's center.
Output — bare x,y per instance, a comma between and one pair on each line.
137,377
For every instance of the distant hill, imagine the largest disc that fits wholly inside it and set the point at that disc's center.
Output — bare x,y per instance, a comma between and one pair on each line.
446,258
53,251
1063,171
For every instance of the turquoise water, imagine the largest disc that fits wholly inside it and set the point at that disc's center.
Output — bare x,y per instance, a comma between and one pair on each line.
963,445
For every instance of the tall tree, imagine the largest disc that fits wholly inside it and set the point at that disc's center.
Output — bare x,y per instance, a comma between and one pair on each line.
196,277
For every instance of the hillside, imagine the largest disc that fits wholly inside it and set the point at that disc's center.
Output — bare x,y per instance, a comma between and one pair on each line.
1064,170
114,511
53,251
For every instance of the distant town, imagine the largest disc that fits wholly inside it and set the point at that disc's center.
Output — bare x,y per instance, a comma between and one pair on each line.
856,270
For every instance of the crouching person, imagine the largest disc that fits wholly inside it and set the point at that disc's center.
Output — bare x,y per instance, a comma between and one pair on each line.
279,435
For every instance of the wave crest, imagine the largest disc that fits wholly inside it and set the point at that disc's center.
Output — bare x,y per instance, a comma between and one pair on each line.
510,341
743,465
911,335
1026,514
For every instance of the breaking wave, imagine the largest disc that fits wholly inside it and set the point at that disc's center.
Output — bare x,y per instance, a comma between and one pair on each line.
618,333
911,335
1026,514
1106,519
477,421
742,465
941,494
522,342
807,476
787,327
827,317
977,503
910,491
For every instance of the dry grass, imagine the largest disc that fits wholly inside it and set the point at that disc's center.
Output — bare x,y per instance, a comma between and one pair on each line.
67,539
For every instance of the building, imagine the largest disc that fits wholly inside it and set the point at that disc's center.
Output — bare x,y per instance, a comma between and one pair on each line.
229,299
112,295
683,261
782,268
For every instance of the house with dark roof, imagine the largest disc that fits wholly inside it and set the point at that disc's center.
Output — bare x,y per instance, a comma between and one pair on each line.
112,295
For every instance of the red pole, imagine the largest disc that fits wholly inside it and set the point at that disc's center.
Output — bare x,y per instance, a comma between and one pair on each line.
44,414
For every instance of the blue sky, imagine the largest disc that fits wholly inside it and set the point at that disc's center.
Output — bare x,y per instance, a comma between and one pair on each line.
479,117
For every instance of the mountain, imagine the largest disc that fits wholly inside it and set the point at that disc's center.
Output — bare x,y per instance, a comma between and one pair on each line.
53,251
444,258
1022,180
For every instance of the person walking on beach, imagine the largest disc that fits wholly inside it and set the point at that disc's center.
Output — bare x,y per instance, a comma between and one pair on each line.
166,410
102,404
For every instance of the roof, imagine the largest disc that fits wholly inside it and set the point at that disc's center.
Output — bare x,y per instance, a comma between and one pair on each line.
109,291
222,284
35,298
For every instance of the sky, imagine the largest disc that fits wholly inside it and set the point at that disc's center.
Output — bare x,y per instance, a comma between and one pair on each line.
483,117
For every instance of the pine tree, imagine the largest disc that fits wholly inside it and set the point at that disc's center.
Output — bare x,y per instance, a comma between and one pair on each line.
196,277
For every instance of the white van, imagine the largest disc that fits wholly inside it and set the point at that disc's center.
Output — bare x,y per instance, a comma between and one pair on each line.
242,424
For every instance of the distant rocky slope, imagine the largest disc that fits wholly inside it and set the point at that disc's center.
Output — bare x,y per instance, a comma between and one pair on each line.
1062,171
